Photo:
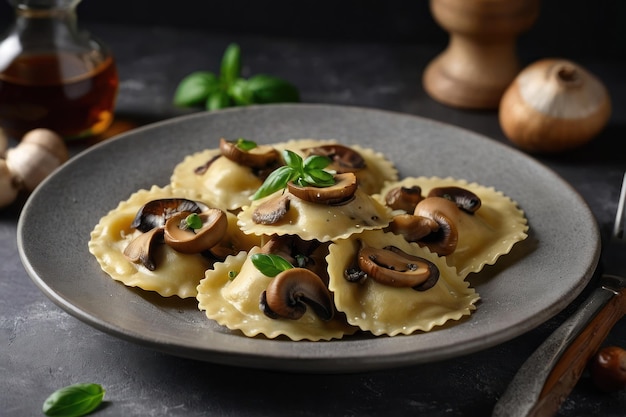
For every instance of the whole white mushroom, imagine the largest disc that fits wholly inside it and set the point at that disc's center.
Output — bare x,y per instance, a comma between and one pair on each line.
39,153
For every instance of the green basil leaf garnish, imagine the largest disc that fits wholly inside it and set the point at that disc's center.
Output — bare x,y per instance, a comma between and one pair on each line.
229,88
218,100
240,93
269,264
303,173
276,180
74,400
245,145
195,88
231,64
270,89
193,221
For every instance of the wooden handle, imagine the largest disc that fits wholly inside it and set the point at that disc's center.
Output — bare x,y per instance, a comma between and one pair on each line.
573,361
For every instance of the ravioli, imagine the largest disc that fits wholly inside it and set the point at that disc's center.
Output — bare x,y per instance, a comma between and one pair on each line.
322,222
385,310
483,236
234,303
216,178
377,169
176,273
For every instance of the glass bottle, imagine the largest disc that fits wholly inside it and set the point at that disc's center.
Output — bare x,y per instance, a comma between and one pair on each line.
53,75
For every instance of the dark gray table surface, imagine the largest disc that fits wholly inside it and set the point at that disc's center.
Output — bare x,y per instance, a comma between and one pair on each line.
43,348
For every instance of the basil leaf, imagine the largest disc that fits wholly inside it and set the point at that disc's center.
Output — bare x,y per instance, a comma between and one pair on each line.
316,162
193,221
218,100
245,145
276,180
240,93
195,88
319,178
74,400
292,159
269,264
231,65
270,89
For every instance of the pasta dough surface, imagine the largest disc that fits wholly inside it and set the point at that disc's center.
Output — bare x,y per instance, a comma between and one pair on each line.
235,304
483,236
385,310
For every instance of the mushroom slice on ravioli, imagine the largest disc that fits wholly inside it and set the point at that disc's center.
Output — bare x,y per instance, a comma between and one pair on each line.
141,244
283,213
371,168
470,224
232,294
388,286
226,176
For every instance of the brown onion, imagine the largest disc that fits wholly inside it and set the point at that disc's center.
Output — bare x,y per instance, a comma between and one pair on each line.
554,105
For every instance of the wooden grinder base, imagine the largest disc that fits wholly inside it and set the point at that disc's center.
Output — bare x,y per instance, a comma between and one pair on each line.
480,60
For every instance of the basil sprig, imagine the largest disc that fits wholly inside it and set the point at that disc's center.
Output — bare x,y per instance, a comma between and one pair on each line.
74,400
308,172
269,264
204,88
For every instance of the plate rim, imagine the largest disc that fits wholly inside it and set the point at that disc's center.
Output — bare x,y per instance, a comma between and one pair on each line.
312,363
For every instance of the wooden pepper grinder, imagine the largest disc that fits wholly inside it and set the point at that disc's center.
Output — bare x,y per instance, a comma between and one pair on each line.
480,60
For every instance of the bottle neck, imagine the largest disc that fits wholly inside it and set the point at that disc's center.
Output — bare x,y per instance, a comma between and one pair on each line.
44,8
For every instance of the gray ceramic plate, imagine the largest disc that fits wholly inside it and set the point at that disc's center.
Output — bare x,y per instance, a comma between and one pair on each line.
535,281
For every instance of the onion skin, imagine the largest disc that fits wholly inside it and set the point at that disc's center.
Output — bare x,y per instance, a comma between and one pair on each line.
554,105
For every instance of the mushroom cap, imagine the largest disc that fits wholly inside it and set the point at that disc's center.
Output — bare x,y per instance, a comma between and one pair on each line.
404,198
341,192
187,240
290,293
391,266
156,212
343,158
259,157
446,213
413,227
141,249
464,198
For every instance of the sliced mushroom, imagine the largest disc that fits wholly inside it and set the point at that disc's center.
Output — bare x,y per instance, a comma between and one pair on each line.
396,268
404,198
343,158
464,198
412,227
258,157
272,210
156,212
309,254
340,193
184,239
290,293
140,249
446,213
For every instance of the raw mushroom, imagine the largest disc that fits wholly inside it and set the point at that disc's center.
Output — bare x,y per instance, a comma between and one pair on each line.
187,240
464,198
344,158
156,212
4,143
404,198
290,293
396,268
141,248
259,157
446,214
340,193
39,153
9,189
